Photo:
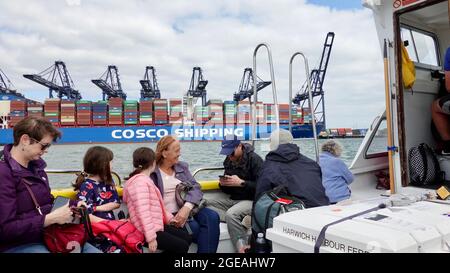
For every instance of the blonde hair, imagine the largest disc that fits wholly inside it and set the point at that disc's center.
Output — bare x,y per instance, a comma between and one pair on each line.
162,145
332,147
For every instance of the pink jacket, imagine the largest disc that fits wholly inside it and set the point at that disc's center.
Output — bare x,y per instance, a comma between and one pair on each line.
145,205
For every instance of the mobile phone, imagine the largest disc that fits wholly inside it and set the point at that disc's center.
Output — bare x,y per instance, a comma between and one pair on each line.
60,201
222,176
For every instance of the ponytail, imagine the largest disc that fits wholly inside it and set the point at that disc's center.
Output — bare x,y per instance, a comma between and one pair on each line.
81,177
138,170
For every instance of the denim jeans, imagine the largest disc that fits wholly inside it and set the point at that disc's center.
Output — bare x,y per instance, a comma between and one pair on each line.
206,230
41,248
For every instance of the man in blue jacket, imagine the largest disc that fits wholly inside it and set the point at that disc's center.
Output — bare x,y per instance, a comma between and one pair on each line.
286,165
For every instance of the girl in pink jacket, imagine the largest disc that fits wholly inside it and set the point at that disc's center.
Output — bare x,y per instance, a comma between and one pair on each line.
146,207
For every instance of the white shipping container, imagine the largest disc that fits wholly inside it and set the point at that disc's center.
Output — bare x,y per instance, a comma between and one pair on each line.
5,107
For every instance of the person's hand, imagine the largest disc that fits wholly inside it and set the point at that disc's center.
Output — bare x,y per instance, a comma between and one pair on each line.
62,215
152,246
180,219
81,204
231,181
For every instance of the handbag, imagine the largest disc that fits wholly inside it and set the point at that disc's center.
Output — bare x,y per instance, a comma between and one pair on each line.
114,236
60,238
181,190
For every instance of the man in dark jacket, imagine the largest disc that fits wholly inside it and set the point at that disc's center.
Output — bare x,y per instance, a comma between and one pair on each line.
242,167
286,165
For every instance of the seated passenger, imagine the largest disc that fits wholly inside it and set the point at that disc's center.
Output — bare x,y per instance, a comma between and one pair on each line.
147,210
440,109
22,223
286,165
335,174
95,185
168,174
242,166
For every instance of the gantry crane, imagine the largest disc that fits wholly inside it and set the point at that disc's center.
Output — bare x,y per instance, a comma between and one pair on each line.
150,88
317,78
58,80
109,83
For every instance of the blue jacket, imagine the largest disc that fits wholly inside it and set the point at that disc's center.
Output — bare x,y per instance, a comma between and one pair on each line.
335,177
300,174
183,174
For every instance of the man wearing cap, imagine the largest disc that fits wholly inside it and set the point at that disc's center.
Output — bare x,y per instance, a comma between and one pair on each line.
242,166
286,165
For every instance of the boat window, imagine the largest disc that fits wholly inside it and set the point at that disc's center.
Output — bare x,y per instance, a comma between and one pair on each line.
421,46
378,144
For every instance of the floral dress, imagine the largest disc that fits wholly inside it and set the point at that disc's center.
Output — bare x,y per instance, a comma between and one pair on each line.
96,194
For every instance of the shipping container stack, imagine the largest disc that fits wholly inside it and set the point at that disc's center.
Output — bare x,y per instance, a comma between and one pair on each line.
68,113
244,112
115,111
297,114
270,114
176,111
283,112
307,117
160,111
229,111
348,132
84,113
17,112
100,113
201,115
35,109
215,110
130,112
146,112
52,109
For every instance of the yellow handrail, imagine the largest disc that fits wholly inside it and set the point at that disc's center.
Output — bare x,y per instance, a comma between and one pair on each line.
70,193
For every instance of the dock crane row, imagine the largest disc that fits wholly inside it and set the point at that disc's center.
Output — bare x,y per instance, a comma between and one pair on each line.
317,78
109,83
150,88
246,86
58,80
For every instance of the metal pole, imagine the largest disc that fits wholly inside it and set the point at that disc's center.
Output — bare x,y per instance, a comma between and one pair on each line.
255,92
310,101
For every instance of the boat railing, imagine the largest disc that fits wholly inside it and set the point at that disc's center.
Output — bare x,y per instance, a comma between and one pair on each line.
255,91
310,99
208,184
115,176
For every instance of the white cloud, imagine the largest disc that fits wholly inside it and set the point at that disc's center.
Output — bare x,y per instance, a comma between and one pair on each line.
175,36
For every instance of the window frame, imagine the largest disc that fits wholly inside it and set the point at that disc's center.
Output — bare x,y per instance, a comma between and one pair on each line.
374,132
433,36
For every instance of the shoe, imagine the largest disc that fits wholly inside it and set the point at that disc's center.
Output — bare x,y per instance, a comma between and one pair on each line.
446,148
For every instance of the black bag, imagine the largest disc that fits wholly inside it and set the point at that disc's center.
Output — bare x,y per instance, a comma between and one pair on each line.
424,167
181,190
269,205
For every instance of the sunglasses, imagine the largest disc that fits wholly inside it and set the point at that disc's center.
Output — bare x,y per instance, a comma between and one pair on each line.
44,146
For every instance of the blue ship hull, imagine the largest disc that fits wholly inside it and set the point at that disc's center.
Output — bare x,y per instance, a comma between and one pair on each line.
132,134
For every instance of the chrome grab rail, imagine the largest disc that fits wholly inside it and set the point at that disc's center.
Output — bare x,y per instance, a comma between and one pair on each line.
310,99
206,169
255,92
115,175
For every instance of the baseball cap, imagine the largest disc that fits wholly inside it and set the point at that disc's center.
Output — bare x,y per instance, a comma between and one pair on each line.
228,146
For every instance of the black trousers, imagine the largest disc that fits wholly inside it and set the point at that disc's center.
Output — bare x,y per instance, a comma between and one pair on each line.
173,240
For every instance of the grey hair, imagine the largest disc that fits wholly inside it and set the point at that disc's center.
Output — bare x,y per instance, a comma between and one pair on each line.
332,147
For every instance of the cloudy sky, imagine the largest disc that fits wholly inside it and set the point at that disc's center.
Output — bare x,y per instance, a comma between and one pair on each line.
217,35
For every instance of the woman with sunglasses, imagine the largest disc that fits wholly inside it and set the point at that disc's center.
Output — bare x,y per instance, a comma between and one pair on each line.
23,178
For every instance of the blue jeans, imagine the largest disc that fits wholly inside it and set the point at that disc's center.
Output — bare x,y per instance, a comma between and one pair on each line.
41,248
206,230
